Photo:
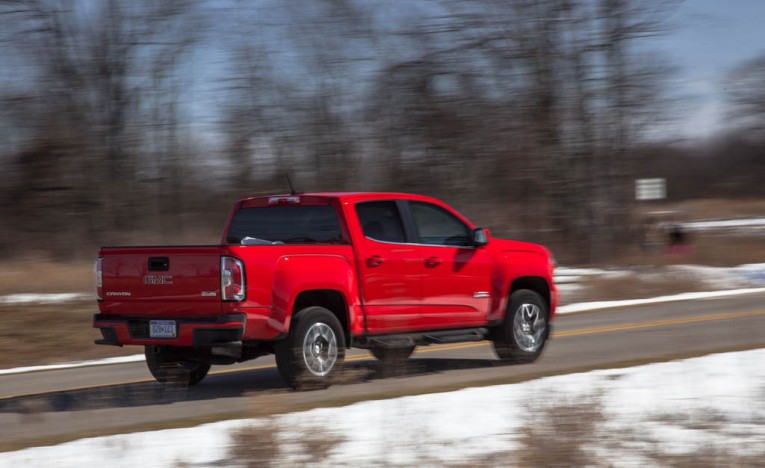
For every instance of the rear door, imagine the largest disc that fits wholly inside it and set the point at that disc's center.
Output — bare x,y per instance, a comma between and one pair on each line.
455,275
389,269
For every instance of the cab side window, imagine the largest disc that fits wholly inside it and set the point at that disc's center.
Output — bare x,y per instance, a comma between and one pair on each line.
436,226
381,221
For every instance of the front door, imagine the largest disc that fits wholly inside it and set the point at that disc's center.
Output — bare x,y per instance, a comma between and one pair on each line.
456,280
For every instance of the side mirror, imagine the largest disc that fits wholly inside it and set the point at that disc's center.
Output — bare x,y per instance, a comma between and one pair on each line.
480,237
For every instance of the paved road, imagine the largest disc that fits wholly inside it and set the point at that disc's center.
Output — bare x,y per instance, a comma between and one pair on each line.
53,406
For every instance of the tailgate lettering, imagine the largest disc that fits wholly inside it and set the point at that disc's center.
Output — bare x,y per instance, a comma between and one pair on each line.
158,279
118,293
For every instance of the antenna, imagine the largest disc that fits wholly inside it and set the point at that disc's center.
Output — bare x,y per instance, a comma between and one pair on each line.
289,182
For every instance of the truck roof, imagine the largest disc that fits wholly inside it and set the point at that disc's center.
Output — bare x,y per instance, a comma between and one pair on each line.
349,196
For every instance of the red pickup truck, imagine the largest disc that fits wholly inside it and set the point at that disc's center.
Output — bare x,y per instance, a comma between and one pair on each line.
307,276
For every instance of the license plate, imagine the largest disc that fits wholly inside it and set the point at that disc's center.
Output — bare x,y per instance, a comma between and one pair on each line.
162,328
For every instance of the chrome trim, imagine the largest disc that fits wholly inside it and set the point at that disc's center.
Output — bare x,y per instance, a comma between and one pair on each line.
421,245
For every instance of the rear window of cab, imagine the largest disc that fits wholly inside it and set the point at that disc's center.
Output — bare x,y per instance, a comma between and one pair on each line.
288,224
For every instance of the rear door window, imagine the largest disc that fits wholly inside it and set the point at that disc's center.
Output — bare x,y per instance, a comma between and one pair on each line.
380,220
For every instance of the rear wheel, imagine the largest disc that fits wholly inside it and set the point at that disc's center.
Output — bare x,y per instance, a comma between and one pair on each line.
313,350
523,334
166,366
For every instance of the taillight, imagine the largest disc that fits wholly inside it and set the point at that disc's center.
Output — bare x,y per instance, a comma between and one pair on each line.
97,270
232,284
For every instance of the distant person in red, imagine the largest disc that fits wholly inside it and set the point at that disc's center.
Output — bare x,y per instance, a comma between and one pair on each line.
678,241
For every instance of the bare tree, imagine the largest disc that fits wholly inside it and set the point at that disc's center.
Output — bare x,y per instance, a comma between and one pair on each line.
292,92
92,69
570,89
532,106
746,95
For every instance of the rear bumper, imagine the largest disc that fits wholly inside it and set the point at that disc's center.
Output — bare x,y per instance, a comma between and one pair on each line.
198,332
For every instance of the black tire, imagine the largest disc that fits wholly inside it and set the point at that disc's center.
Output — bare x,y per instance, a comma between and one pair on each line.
166,367
524,332
392,354
313,351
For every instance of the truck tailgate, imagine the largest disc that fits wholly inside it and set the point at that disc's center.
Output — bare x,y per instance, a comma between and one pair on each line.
161,281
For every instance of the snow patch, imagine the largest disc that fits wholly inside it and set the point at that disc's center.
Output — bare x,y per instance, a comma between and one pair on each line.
45,298
587,306
72,365
726,224
652,406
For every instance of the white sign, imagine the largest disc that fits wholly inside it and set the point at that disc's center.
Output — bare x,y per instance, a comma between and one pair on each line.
651,189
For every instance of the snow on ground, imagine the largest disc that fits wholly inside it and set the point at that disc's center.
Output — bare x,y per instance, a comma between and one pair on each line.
751,275
713,402
744,223
71,365
44,298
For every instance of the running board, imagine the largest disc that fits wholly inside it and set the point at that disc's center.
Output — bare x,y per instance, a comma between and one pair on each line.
456,336
409,340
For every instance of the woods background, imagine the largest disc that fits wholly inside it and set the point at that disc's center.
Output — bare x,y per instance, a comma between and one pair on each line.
142,121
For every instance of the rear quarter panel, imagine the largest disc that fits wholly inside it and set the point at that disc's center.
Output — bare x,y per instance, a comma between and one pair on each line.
276,275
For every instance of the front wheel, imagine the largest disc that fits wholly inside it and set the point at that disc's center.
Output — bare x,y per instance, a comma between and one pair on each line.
313,350
523,334
168,368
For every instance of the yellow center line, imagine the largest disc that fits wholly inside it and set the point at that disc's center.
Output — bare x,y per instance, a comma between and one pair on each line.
435,349
659,323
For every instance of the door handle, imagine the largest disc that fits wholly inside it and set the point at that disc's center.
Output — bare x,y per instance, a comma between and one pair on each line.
431,262
374,261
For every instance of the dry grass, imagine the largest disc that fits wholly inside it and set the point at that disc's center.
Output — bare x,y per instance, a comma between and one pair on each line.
715,208
705,248
559,435
43,334
634,287
37,275
709,458
269,445
721,250
256,446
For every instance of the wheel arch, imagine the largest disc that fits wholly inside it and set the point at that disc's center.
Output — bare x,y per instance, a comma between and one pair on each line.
533,283
330,299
